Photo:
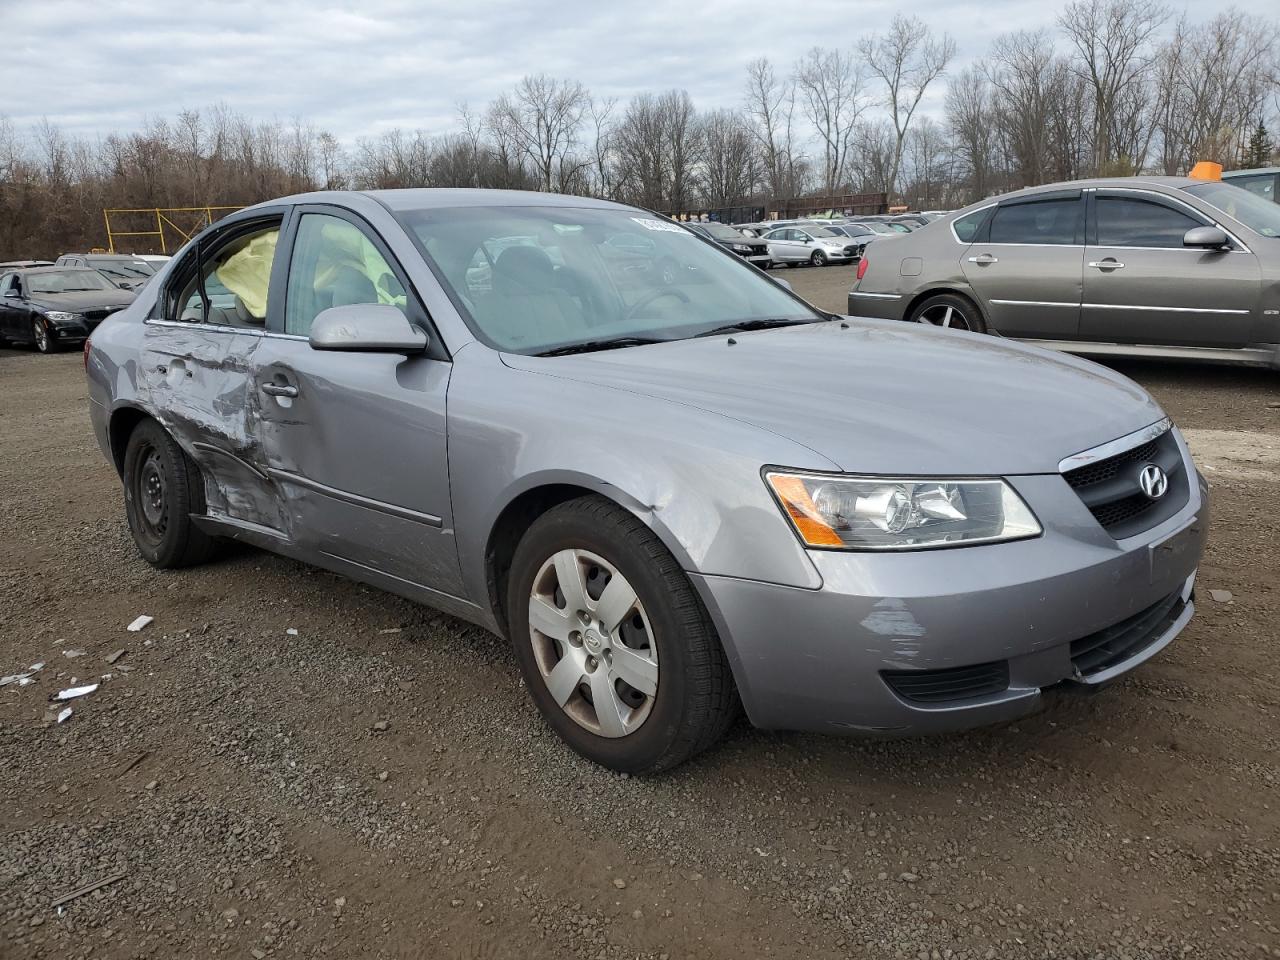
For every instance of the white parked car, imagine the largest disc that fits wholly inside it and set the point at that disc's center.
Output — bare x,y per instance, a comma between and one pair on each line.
814,245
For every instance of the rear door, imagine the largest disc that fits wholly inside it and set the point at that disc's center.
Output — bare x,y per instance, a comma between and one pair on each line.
356,442
1026,265
1141,285
785,245
195,366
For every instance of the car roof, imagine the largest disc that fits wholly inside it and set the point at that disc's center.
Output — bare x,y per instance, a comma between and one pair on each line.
427,198
53,269
103,256
1171,183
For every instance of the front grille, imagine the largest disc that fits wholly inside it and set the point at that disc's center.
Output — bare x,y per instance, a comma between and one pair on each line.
1111,491
953,683
850,250
96,316
1126,639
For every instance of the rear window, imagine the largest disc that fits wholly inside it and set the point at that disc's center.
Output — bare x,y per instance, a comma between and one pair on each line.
1051,222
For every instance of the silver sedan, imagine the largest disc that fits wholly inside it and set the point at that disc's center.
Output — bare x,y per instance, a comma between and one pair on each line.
678,489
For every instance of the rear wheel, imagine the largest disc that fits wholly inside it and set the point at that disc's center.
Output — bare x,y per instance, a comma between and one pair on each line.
617,651
951,311
162,489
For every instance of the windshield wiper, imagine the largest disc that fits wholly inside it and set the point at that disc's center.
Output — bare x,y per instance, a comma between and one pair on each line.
590,346
752,325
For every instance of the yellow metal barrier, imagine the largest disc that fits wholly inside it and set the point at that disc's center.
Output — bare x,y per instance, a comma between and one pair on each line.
167,225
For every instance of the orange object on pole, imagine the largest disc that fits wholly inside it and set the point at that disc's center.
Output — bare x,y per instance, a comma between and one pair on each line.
1206,170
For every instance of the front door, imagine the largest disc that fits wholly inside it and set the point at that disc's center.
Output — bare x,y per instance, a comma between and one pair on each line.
1025,266
1141,285
356,441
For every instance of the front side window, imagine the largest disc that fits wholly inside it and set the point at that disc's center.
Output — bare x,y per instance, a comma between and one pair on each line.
1050,222
236,278
6,283
539,278
1132,222
335,265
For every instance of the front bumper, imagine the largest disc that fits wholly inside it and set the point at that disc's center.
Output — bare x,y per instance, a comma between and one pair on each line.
1033,612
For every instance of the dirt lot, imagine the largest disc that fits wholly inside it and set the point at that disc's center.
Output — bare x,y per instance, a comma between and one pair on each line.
233,768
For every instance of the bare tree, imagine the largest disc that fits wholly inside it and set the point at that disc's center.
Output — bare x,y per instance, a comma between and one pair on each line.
830,86
543,116
658,145
972,124
770,105
1114,50
906,60
731,166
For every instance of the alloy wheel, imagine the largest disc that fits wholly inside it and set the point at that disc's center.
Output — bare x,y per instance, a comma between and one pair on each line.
592,643
41,336
945,315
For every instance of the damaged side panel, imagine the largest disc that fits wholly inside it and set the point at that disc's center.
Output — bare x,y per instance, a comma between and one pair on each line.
197,380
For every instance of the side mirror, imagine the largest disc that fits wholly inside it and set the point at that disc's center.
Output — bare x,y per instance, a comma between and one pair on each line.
369,327
16,294
1209,238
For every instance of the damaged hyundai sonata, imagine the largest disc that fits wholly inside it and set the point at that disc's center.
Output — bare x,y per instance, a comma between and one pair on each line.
677,488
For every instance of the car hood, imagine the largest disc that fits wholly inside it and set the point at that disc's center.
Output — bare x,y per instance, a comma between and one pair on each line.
76,301
885,397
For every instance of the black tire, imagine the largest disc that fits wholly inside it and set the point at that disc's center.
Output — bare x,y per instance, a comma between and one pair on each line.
162,489
40,337
964,314
819,259
695,699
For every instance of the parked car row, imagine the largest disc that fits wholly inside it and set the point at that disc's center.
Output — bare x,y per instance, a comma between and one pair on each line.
678,489
1154,266
54,305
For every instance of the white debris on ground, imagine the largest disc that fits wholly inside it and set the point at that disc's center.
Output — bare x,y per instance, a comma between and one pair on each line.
139,623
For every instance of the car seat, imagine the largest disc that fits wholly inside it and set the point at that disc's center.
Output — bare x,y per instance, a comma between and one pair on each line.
527,303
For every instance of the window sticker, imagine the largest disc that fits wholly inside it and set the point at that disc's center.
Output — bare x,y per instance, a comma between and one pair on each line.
659,225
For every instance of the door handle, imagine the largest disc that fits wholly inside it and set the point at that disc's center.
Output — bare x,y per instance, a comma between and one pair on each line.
1107,264
280,389
984,259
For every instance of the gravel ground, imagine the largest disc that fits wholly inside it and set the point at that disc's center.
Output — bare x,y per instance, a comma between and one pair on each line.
288,764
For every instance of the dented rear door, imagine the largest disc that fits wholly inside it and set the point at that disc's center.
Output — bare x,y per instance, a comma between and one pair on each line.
197,380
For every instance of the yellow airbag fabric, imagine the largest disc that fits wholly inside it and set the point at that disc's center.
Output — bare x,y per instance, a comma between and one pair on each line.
247,272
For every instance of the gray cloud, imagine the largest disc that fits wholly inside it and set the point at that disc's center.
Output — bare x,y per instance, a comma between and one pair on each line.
356,69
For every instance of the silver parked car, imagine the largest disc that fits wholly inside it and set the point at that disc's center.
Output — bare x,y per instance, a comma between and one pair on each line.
1153,266
817,246
677,491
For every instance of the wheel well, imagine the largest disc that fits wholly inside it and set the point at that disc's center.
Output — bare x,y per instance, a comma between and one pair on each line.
510,526
938,291
122,424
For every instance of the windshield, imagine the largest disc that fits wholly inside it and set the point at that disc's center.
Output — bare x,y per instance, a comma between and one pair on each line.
875,226
721,232
533,279
819,232
1259,215
66,281
122,269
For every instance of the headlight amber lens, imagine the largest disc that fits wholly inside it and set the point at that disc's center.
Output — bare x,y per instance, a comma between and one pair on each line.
877,513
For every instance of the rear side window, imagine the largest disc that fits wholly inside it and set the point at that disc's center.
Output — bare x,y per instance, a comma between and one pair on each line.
967,227
1130,222
237,276
1041,222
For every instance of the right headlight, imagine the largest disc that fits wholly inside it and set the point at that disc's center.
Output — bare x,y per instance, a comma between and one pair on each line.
61,316
908,513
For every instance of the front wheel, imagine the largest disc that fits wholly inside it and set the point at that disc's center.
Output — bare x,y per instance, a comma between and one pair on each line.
951,311
40,336
162,490
617,651
819,259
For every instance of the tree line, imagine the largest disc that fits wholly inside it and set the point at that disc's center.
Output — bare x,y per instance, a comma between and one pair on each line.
1116,87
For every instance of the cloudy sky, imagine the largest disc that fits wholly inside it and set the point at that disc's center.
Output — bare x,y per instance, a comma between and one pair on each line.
356,69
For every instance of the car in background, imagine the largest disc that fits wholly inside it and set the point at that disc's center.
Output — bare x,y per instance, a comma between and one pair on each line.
1264,181
24,264
674,499
156,260
816,246
124,270
52,307
754,251
1155,266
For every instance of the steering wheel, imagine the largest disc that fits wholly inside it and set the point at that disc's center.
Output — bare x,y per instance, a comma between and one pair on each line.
655,295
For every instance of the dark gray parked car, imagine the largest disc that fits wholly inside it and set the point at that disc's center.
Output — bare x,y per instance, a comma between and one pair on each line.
53,307
1156,266
675,491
